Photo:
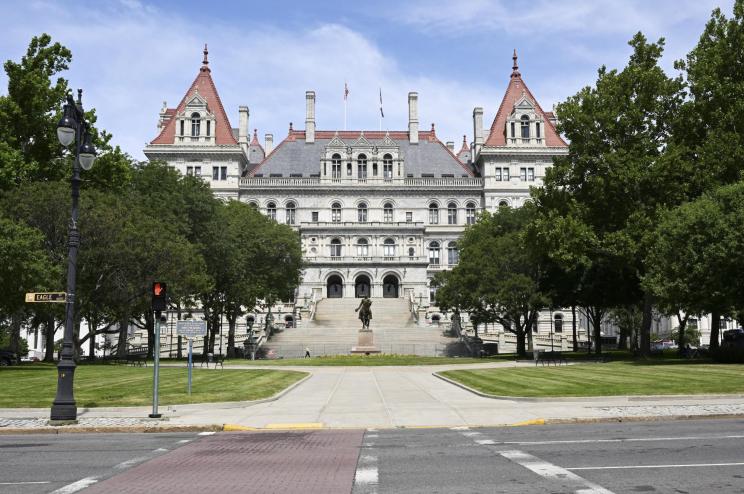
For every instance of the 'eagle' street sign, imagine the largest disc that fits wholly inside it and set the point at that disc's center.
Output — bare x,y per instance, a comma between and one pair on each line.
54,297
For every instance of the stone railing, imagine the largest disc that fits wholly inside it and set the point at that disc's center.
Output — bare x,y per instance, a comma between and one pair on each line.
381,182
445,182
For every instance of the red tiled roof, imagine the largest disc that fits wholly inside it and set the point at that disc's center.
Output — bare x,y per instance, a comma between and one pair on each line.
207,90
514,92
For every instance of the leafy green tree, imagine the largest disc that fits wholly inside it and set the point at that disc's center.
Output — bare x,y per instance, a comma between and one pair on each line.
617,175
496,280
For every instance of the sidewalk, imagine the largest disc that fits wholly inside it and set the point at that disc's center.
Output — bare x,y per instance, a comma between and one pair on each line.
385,397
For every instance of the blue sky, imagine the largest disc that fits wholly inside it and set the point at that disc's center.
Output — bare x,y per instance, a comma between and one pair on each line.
131,55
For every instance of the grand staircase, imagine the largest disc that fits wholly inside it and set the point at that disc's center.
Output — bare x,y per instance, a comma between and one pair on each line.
335,328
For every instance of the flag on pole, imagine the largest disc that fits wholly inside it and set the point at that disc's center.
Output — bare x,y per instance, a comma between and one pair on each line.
382,114
346,91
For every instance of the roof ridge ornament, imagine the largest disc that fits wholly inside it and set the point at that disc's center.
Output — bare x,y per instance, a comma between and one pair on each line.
205,61
515,67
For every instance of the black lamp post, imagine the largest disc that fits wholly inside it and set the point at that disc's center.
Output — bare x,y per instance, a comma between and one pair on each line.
72,127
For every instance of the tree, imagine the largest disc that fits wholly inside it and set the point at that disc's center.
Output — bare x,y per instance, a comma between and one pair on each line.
496,280
617,176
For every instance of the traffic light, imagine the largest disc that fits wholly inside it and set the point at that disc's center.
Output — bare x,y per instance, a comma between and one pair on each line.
159,293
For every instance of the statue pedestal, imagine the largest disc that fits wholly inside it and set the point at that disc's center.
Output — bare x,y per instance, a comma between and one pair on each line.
365,343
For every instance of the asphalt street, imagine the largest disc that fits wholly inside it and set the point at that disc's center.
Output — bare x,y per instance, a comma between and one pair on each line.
703,456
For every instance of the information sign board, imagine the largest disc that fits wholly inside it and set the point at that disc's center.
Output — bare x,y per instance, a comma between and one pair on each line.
191,329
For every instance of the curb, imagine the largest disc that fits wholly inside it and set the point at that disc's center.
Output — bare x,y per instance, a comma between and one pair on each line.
530,399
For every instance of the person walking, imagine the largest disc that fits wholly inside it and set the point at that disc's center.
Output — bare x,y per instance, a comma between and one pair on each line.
307,352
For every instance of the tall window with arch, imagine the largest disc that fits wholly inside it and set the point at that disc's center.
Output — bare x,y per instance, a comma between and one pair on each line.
558,323
387,212
271,210
411,252
453,255
470,213
434,253
362,212
362,247
336,212
291,213
525,125
433,213
362,167
388,248
336,167
195,124
387,167
335,248
452,213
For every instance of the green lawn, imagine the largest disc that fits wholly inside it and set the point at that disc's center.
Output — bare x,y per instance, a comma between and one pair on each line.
118,385
614,378
369,360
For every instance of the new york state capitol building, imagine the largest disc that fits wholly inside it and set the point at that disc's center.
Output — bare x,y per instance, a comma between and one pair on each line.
378,213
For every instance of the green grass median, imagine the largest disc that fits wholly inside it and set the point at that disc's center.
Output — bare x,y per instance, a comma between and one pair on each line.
609,379
369,360
118,385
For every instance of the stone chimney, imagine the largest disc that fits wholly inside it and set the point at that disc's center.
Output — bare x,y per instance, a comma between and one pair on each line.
413,129
451,146
309,117
477,131
243,127
268,143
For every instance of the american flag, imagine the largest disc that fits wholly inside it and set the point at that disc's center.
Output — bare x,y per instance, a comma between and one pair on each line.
346,91
381,113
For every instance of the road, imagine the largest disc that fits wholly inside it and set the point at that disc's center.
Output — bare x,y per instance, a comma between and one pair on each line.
657,457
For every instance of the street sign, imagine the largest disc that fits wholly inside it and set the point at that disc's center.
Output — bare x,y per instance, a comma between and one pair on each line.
51,297
191,329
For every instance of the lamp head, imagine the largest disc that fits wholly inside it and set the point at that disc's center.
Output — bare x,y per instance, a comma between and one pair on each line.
66,127
87,151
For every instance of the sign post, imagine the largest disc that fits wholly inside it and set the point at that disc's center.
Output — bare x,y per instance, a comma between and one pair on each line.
191,330
156,365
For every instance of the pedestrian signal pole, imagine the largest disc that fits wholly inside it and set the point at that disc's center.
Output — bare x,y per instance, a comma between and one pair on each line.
159,304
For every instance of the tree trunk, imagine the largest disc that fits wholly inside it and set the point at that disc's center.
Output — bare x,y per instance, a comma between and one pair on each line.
92,325
575,336
15,331
595,314
231,318
51,326
715,327
121,349
646,325
681,335
521,350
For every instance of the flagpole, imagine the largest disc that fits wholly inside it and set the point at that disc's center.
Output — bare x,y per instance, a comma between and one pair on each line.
344,113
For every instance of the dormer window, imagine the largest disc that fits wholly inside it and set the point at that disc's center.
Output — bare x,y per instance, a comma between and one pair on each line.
525,127
362,167
387,167
336,166
195,124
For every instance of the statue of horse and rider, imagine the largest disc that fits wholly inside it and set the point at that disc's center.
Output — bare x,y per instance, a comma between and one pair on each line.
365,312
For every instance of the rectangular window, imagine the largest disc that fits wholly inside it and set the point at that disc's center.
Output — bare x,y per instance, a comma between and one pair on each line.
215,173
531,174
537,130
387,215
409,217
348,169
223,175
497,175
505,174
336,170
209,128
451,216
514,132
189,170
523,174
181,127
374,169
433,216
197,171
434,255
388,171
362,171
452,256
362,215
315,216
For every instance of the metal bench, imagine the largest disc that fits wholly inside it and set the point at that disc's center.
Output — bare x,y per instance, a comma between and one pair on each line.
136,356
547,357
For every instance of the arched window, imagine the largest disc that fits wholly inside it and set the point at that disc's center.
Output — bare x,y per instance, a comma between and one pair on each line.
503,204
387,212
411,252
336,167
362,167
362,247
387,167
433,213
388,247
453,255
470,213
271,210
336,212
291,209
253,205
362,212
558,323
525,127
195,124
452,213
434,253
335,248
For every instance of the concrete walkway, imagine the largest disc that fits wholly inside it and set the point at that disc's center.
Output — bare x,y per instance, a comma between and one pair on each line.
385,397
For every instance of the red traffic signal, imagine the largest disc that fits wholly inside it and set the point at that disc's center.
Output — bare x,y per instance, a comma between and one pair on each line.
159,293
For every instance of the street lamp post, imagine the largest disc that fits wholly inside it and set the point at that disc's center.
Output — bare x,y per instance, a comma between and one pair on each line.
72,127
